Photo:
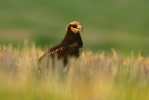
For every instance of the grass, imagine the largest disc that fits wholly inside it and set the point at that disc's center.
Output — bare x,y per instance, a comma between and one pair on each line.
93,76
119,24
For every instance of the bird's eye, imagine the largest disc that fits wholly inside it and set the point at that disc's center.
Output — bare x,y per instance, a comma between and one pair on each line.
74,26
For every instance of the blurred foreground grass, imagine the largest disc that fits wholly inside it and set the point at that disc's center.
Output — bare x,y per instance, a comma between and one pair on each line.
91,77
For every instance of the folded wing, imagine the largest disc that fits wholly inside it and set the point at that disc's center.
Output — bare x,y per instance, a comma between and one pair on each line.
62,51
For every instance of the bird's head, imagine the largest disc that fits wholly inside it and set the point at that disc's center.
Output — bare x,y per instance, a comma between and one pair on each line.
74,27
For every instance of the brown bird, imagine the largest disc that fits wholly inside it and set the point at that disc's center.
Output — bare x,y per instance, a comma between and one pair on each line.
70,46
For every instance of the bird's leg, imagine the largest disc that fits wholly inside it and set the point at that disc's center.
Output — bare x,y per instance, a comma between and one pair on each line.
65,68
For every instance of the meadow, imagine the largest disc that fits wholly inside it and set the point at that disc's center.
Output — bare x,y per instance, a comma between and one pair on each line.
114,64
91,77
119,24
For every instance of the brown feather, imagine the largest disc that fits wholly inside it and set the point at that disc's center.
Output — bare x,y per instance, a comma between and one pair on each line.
68,47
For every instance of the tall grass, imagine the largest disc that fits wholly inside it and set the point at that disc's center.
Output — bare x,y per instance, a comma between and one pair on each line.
91,77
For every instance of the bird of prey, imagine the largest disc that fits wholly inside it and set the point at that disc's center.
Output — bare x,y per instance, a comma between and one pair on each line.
70,46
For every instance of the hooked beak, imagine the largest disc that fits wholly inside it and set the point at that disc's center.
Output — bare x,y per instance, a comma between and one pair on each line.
80,28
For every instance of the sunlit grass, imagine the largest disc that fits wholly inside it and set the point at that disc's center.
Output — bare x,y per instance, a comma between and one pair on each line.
91,77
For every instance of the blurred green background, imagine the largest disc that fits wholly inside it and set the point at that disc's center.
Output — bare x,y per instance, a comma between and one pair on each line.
119,24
